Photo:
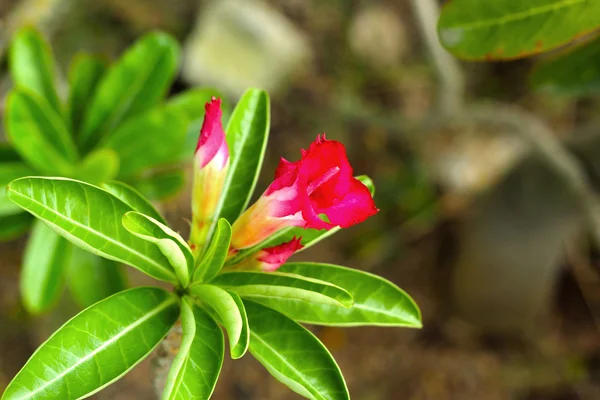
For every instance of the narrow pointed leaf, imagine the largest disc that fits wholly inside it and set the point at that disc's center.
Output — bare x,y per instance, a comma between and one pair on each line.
85,73
474,30
99,166
97,346
247,134
91,278
227,308
196,368
174,248
133,198
377,301
10,171
148,140
44,264
212,260
293,355
280,286
39,134
90,218
133,85
32,65
13,226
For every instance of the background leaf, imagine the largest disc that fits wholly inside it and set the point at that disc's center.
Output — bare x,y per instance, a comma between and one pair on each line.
575,73
377,301
85,74
213,258
10,171
474,29
227,308
99,166
39,134
147,140
247,134
32,65
293,355
161,185
43,273
90,218
97,346
13,226
133,85
133,198
91,278
197,366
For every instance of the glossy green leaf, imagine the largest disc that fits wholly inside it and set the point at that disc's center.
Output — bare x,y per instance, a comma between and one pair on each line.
10,171
227,308
148,140
13,226
473,29
133,85
133,198
309,237
44,263
161,185
97,346
39,134
377,301
575,73
174,248
191,103
32,65
213,258
247,134
91,278
90,218
85,73
293,355
99,166
196,368
280,286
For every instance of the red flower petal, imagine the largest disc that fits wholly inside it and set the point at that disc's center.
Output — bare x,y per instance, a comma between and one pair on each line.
211,142
272,258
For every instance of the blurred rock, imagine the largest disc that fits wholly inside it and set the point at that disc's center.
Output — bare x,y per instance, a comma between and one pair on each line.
241,43
378,36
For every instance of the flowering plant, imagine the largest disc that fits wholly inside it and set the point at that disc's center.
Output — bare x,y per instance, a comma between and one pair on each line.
114,125
232,274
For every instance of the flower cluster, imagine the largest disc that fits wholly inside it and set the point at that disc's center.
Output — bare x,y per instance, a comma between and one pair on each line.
318,191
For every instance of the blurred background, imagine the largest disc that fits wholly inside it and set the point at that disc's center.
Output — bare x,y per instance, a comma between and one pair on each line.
480,220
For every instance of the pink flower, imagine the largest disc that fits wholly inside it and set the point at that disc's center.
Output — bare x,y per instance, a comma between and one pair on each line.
269,259
319,184
211,162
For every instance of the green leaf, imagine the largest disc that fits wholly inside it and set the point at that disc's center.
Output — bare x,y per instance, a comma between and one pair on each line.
293,355
133,198
39,134
472,29
247,134
556,75
10,171
91,278
212,260
13,226
309,237
8,153
174,248
44,263
90,218
191,103
161,185
281,286
227,308
133,85
32,65
377,301
147,140
99,166
196,368
97,346
84,75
